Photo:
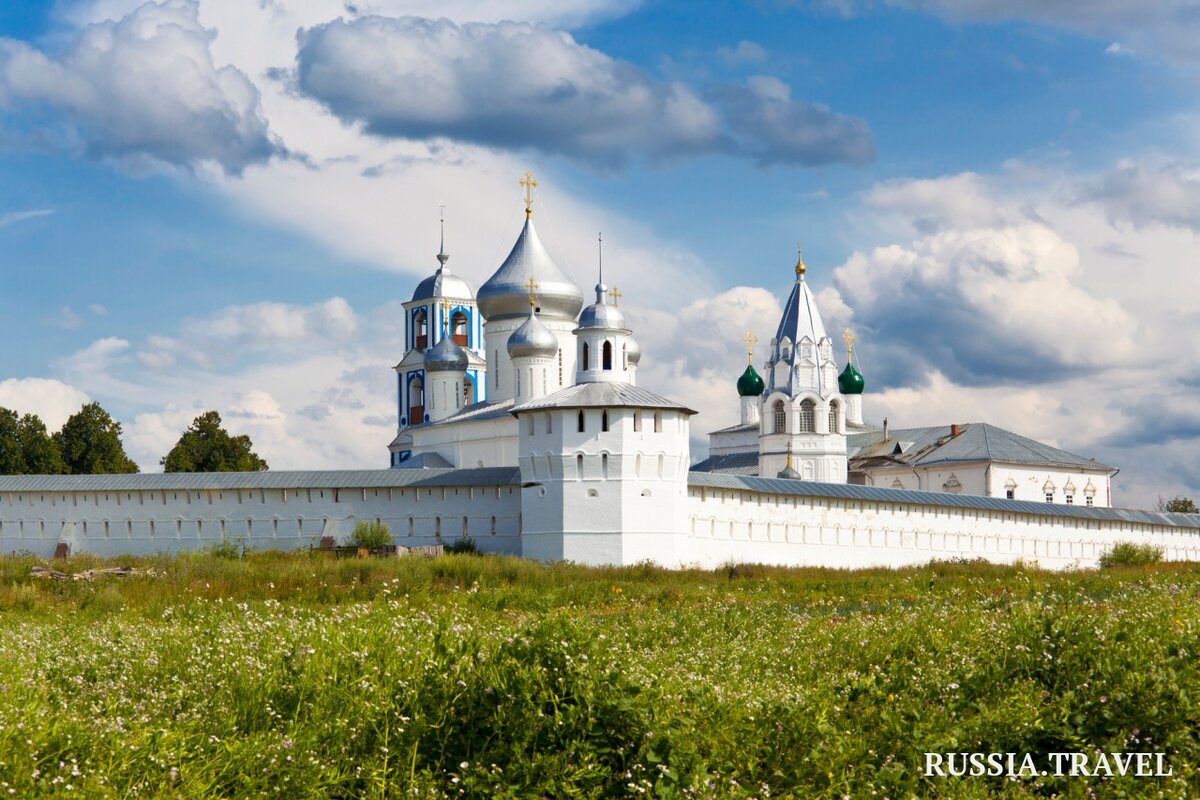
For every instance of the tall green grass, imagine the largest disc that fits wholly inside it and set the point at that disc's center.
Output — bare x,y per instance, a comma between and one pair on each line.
290,675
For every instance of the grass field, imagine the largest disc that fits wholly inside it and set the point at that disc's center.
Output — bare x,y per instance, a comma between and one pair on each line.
299,676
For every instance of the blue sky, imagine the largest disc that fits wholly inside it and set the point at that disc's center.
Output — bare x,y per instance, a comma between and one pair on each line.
208,207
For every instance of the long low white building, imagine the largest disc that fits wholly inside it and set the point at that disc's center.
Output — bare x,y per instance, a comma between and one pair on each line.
726,518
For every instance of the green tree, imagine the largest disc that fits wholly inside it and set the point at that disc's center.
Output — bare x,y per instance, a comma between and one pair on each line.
207,447
90,443
12,460
1180,505
41,454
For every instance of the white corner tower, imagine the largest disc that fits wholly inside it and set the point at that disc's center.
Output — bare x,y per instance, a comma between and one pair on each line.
502,301
803,418
603,463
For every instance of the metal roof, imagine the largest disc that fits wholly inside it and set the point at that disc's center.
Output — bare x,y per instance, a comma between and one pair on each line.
425,461
598,395
801,320
230,481
730,464
749,426
879,494
977,441
475,412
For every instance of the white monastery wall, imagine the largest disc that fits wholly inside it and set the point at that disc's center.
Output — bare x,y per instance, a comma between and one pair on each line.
157,521
742,525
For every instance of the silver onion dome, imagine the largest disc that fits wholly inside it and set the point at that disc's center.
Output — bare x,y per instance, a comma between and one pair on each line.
446,356
505,295
633,351
602,315
533,338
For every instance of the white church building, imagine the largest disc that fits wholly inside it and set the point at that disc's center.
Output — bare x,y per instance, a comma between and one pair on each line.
522,426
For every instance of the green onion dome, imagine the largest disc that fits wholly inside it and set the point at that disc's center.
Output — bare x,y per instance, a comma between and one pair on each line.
750,384
851,380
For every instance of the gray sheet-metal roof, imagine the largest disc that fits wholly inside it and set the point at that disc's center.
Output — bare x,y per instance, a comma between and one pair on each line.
601,395
476,412
425,461
977,441
729,464
749,426
944,500
230,481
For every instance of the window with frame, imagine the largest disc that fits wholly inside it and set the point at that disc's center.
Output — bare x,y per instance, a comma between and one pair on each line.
780,417
833,417
658,422
604,420
808,416
586,353
637,422
581,427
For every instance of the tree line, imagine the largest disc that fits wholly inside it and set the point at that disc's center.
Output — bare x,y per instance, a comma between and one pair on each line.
89,443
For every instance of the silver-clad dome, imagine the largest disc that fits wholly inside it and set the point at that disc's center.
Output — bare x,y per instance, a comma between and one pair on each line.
633,350
443,283
602,315
446,356
505,295
532,339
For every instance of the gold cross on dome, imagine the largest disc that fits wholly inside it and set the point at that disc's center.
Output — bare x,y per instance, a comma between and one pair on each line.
445,304
532,286
750,339
530,184
849,338
615,295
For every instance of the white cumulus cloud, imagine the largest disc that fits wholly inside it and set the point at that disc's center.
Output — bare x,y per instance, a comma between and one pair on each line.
142,89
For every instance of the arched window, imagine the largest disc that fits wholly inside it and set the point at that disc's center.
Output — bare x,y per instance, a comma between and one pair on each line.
637,421
416,402
421,330
808,416
604,420
833,417
468,390
780,414
549,422
604,466
458,328
625,356
607,353
585,356
581,421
